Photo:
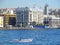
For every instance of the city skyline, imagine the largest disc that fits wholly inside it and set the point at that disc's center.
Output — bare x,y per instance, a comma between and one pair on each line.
29,3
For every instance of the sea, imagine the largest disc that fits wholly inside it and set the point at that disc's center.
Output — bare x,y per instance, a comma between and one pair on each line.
39,37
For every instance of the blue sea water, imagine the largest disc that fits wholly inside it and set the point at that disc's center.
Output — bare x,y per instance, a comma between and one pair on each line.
40,37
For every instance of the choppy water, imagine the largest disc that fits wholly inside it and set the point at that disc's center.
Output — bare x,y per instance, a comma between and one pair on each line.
40,37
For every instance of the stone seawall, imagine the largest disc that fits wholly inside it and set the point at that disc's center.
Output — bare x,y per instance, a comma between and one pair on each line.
21,28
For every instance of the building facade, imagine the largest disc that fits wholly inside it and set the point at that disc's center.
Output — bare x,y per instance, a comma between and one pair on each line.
25,16
10,19
51,21
1,21
47,19
36,15
54,23
22,16
7,10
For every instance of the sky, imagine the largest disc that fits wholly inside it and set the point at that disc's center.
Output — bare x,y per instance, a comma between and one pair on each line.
29,3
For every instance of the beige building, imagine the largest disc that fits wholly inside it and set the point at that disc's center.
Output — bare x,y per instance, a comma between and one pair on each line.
1,21
7,19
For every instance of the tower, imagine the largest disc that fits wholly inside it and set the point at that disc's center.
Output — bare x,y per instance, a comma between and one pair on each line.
46,9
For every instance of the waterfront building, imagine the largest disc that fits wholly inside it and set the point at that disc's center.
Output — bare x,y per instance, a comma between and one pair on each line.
54,23
1,21
9,16
36,15
51,21
10,19
22,16
25,16
47,19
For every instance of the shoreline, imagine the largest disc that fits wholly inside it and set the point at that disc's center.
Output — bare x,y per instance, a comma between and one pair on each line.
27,28
21,28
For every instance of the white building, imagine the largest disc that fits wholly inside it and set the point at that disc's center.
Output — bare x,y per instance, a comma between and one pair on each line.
55,23
52,21
25,16
47,19
36,15
7,10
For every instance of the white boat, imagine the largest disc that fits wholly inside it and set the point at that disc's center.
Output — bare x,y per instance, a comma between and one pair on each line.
25,40
22,40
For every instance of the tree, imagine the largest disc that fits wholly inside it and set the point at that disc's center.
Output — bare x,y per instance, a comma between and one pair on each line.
33,23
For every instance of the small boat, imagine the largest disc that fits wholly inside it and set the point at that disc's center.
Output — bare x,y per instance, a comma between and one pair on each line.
25,40
22,40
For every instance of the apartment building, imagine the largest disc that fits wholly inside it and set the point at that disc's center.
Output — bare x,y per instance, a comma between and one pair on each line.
25,16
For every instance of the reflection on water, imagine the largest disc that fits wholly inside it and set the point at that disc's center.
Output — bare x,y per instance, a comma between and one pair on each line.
37,37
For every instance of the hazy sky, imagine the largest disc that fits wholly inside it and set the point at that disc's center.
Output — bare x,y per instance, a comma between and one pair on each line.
29,3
